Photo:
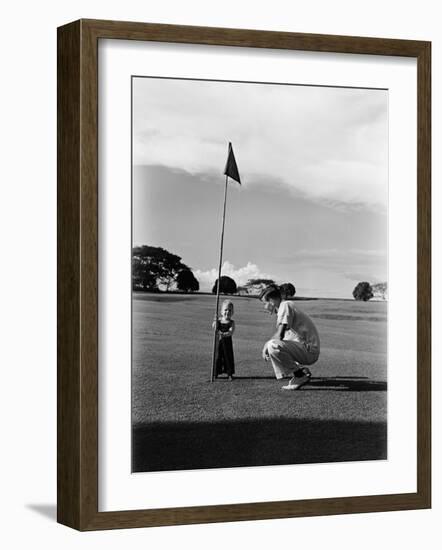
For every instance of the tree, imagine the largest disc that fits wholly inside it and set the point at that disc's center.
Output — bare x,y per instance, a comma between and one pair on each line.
242,290
227,286
254,286
153,266
186,281
363,291
142,277
380,290
288,289
260,282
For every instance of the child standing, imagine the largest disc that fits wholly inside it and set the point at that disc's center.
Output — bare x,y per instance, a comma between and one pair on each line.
225,327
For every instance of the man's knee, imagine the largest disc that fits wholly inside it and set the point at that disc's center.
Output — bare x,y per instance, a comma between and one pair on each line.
312,358
274,347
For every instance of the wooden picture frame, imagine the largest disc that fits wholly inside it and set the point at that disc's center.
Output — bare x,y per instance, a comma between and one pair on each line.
78,274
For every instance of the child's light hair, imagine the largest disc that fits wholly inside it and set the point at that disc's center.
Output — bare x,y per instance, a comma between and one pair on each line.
228,303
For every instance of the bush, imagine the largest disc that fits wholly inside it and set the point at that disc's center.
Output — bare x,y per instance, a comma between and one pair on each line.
363,291
186,281
227,286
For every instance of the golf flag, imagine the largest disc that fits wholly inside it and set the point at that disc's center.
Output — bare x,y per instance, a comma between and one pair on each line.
231,169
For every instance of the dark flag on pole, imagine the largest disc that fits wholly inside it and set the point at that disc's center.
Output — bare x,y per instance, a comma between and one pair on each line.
231,168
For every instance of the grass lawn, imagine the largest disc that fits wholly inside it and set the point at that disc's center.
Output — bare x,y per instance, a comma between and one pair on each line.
182,421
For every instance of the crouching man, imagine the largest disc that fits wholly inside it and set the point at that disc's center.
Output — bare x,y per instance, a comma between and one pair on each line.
295,343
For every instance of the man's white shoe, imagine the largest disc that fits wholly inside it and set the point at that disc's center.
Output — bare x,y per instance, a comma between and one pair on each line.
296,382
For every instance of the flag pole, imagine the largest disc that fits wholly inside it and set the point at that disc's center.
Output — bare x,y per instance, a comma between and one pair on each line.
215,332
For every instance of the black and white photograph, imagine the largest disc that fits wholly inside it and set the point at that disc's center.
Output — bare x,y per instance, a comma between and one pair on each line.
221,330
259,274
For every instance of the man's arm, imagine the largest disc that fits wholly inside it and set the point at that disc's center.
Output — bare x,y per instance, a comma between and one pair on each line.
280,333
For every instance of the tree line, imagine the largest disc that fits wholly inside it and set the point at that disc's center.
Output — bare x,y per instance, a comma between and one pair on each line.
155,269
251,288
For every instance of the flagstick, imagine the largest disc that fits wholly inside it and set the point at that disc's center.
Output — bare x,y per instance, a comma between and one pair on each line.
212,377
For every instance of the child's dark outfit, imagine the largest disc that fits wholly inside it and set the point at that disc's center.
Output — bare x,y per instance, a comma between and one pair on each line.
225,363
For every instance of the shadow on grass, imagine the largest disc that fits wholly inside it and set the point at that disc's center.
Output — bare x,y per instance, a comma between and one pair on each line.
332,383
189,446
342,383
250,378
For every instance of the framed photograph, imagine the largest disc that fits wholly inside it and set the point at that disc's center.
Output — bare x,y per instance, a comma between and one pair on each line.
243,275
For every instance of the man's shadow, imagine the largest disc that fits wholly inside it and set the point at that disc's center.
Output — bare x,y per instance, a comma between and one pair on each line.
253,377
346,383
334,383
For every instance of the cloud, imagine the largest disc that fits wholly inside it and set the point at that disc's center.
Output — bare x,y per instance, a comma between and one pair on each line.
328,144
358,277
339,253
353,264
338,260
240,275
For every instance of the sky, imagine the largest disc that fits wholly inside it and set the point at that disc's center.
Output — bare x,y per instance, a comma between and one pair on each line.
312,207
